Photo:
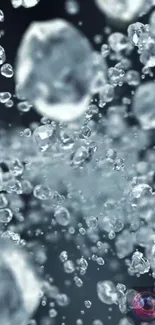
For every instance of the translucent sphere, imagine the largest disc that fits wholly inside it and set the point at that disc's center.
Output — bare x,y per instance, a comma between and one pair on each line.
124,10
143,105
19,288
55,68
106,292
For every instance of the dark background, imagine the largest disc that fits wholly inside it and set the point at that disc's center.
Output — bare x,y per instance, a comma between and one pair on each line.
93,22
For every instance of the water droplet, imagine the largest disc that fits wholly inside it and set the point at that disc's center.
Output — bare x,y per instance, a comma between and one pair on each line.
62,216
66,96
43,136
107,292
4,97
7,70
42,192
2,55
5,215
1,16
